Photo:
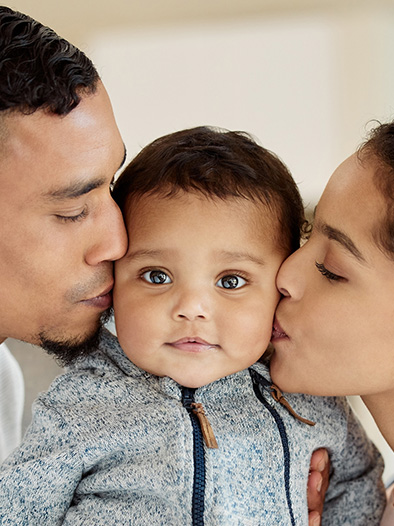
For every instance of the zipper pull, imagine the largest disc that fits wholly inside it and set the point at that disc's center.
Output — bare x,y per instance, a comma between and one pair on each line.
277,395
206,428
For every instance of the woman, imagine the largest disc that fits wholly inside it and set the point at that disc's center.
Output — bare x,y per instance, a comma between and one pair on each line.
334,328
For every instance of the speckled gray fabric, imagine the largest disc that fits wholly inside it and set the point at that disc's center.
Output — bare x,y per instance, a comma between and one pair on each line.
112,445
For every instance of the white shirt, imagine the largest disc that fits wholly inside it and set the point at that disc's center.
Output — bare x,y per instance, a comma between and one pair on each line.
12,395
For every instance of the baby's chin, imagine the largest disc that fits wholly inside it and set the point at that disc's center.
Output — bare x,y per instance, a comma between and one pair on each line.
194,381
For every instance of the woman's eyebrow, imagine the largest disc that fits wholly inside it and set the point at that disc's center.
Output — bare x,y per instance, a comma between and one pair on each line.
341,238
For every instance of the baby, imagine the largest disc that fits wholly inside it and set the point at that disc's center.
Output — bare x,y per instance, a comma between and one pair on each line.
180,424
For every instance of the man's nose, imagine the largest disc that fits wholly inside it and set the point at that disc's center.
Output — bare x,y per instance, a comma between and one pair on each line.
109,239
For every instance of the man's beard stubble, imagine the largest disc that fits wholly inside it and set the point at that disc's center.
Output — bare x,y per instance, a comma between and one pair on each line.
67,351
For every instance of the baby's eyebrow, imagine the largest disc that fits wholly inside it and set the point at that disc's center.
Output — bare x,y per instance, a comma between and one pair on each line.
144,253
241,256
223,254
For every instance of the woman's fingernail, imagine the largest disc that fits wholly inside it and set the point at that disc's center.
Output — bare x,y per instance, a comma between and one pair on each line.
318,486
323,462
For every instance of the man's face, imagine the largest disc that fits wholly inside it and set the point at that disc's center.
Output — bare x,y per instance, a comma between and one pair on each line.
60,230
195,295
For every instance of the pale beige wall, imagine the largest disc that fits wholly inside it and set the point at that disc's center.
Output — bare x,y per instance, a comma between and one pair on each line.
304,83
303,75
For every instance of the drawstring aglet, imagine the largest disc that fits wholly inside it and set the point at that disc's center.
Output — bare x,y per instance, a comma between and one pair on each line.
277,395
206,429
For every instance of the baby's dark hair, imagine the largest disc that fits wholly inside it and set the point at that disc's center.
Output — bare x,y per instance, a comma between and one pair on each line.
39,69
215,163
379,149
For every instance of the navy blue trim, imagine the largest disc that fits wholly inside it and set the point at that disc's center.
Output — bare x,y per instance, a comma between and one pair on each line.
259,384
198,502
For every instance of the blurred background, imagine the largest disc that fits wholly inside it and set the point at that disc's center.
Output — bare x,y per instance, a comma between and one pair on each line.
305,77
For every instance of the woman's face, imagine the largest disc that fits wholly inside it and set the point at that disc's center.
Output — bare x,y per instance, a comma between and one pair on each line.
334,330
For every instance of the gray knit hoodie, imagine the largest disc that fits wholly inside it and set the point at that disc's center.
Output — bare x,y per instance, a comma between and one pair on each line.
113,445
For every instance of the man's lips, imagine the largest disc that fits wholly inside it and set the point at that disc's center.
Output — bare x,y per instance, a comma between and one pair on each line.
277,331
193,344
103,300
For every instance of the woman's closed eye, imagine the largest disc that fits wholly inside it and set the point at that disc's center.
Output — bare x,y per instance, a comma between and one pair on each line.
327,273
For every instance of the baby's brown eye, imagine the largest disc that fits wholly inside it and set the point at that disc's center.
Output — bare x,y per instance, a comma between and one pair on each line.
231,282
158,277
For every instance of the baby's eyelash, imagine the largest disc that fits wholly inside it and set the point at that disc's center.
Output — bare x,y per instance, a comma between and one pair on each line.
326,273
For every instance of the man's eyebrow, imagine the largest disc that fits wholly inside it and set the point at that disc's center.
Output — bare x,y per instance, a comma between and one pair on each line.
341,238
75,190
80,188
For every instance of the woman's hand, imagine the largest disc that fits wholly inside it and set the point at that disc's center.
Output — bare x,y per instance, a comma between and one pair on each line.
318,481
388,515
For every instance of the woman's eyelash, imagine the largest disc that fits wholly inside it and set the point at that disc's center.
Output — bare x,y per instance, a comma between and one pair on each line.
326,273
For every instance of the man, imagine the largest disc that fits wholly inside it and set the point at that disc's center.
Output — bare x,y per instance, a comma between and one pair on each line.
60,230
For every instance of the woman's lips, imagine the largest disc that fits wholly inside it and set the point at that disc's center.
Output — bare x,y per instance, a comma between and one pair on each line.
277,331
193,344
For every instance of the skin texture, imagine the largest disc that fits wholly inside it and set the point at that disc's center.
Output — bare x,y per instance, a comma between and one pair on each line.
339,329
195,242
60,230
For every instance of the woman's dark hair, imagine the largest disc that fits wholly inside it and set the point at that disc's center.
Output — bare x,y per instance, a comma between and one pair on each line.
216,163
379,150
38,69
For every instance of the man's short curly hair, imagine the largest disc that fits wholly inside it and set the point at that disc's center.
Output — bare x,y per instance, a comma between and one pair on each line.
39,69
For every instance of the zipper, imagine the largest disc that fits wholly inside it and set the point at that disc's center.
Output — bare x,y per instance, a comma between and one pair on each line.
198,459
260,384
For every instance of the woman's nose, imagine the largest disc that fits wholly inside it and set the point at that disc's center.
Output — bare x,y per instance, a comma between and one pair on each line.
290,278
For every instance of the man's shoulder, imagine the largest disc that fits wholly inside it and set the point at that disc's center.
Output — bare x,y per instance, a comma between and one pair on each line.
100,375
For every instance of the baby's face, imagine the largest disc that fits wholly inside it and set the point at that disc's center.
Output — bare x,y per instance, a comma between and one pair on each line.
195,294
